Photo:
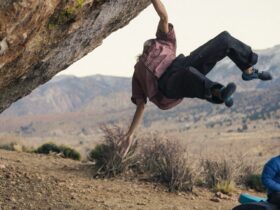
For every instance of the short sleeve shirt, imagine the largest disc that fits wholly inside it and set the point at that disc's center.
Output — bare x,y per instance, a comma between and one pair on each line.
157,55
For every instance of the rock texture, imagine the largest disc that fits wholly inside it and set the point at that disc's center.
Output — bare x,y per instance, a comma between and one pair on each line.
40,38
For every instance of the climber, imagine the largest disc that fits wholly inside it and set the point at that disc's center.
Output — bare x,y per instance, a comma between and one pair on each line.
166,79
271,180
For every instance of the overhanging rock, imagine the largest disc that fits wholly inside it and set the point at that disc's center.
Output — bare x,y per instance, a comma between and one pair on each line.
40,38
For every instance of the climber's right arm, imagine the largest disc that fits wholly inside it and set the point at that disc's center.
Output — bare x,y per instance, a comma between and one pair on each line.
162,13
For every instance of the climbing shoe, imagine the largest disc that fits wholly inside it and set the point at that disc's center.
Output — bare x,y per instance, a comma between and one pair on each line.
264,75
229,102
226,94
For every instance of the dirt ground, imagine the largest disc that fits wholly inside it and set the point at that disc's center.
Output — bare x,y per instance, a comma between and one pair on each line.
32,181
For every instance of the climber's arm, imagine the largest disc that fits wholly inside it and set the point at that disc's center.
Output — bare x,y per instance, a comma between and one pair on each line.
137,118
161,11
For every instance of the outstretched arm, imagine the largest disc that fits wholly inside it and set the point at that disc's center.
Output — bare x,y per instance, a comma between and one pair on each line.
125,145
162,13
137,118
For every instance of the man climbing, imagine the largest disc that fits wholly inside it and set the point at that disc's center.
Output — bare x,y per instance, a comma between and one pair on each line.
166,79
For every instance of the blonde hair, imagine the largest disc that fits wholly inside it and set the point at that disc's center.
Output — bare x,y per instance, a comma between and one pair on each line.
147,44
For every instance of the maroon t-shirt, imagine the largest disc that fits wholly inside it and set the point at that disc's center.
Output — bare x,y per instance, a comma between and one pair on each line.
157,55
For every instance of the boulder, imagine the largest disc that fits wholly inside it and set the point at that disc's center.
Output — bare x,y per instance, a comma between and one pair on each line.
38,39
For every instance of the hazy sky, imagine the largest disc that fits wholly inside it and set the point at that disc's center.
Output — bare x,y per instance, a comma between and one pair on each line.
255,22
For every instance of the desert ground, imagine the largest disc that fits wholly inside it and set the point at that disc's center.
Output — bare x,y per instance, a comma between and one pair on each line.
32,181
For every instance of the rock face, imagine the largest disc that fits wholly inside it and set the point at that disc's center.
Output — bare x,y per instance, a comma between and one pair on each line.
38,39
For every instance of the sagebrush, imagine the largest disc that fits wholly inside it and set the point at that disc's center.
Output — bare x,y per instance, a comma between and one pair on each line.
107,158
219,174
65,151
168,163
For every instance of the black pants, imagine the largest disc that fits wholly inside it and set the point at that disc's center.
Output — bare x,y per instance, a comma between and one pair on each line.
274,198
185,77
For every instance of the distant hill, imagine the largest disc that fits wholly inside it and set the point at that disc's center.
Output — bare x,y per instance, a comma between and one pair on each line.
67,94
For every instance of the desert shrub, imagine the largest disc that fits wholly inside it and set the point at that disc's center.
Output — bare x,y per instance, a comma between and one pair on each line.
15,147
107,158
8,147
254,182
48,148
66,152
70,153
249,174
246,169
219,174
168,163
79,3
225,187
98,152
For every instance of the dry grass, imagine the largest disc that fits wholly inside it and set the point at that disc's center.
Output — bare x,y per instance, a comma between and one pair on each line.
168,163
107,158
16,147
225,187
249,174
219,174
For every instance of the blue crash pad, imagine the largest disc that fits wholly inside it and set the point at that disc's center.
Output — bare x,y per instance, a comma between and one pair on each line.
246,198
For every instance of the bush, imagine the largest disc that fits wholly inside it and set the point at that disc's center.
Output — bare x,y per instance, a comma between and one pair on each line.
107,158
254,182
219,175
70,153
225,187
167,162
249,175
15,147
48,148
66,152
9,147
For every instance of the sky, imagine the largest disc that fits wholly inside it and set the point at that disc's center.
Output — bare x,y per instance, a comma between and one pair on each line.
255,22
